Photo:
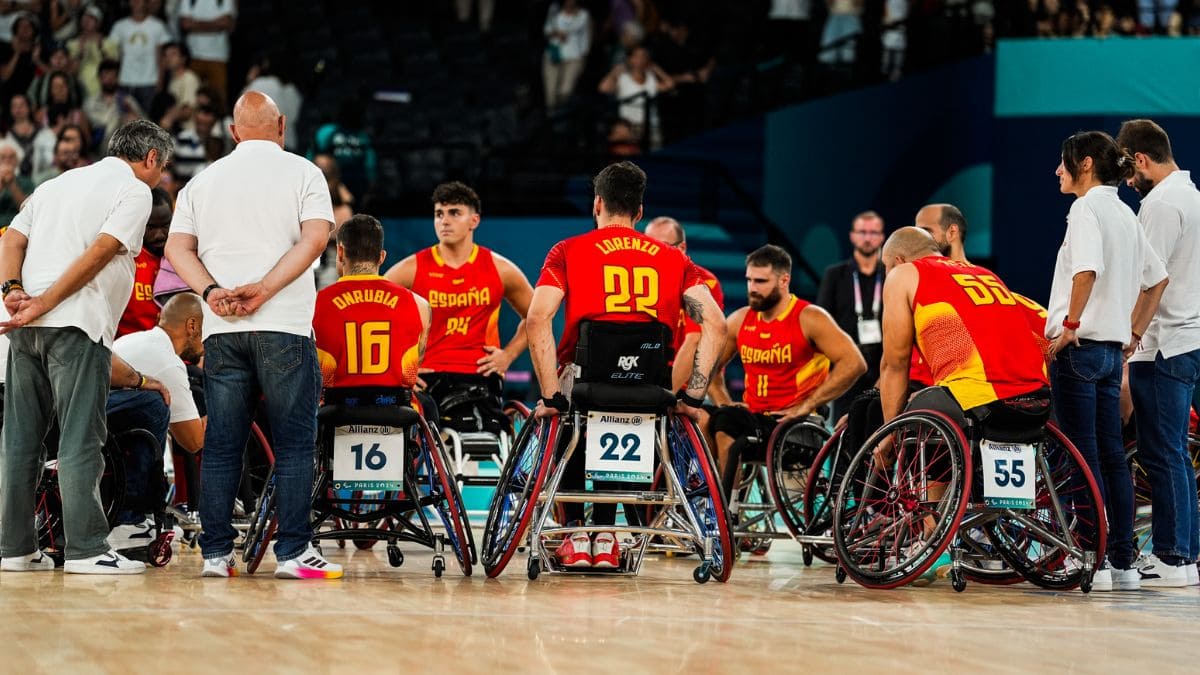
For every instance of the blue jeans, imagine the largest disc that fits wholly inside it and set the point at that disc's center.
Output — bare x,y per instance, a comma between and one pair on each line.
132,409
239,368
1086,384
1162,400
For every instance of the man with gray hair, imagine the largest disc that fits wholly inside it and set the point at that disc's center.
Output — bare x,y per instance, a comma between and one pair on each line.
259,293
67,262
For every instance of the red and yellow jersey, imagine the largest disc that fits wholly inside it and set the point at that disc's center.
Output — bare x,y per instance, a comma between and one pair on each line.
686,325
466,308
782,368
616,274
1035,317
973,333
368,333
142,312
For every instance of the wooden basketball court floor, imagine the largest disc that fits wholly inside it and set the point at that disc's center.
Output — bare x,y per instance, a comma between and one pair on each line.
774,615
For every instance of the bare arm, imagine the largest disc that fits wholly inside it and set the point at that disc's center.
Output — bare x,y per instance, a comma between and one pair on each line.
539,324
25,308
700,307
221,24
847,361
1143,312
182,250
685,356
899,333
519,294
1081,290
125,376
720,393
314,237
609,84
189,434
426,321
404,272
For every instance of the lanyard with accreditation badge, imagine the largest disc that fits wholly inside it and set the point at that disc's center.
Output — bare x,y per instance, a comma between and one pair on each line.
870,332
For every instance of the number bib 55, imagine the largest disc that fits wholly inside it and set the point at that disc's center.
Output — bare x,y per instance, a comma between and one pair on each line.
1009,471
368,458
620,447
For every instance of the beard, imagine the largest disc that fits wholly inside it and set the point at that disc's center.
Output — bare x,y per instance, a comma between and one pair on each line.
1142,184
192,355
760,303
866,251
156,249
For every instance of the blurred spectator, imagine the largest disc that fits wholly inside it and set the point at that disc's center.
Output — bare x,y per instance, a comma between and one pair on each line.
10,11
845,20
64,18
109,108
18,57
339,194
350,144
688,58
622,141
196,146
629,38
14,188
895,38
1105,22
182,82
67,156
58,63
74,132
139,37
568,32
90,48
1156,15
637,84
56,118
272,76
789,29
486,9
208,24
21,130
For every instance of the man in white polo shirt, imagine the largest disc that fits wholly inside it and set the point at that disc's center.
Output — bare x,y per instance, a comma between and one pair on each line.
1164,370
246,232
67,261
158,353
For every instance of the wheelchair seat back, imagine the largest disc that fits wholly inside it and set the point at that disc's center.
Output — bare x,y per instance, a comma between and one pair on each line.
1021,419
623,367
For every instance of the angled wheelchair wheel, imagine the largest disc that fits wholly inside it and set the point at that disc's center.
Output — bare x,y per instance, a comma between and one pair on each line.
48,515
697,473
895,514
437,481
791,457
1060,543
1142,497
515,500
261,531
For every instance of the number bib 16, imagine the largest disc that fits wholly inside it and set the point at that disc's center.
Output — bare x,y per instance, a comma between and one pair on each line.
620,447
368,458
1009,470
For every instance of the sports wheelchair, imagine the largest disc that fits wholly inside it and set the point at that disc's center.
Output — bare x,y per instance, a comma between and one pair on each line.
935,478
1143,521
610,419
48,514
478,436
382,474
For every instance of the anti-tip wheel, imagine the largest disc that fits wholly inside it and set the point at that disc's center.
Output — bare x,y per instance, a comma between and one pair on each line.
439,566
840,574
958,581
1085,582
702,574
806,554
395,556
532,569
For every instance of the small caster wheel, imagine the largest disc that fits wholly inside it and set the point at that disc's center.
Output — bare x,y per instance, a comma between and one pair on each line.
532,569
958,581
160,551
395,556
702,574
439,566
1085,582
840,574
806,554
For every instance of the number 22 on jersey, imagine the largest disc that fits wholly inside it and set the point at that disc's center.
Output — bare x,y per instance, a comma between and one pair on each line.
630,290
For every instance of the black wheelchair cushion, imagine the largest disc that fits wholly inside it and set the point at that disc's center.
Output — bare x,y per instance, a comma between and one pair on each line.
647,399
399,417
1021,419
624,352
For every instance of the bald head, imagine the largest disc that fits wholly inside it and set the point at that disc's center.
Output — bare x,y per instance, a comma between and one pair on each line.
179,309
908,244
257,118
668,230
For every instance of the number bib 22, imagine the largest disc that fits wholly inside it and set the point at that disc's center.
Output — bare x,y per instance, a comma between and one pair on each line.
1009,471
368,458
620,447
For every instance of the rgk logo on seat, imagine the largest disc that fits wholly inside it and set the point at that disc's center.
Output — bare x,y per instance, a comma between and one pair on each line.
627,363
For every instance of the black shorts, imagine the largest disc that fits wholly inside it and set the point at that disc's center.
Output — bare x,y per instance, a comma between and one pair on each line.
740,424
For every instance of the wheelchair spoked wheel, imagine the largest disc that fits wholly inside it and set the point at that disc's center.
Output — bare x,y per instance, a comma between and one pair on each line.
515,500
458,498
435,479
820,490
1061,542
697,474
262,527
888,526
1142,498
48,514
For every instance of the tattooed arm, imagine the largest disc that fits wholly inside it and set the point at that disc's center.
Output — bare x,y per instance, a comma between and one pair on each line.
700,307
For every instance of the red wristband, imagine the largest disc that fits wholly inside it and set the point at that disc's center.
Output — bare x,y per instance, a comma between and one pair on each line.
1073,325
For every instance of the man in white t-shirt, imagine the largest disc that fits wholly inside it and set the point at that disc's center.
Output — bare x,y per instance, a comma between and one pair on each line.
258,286
208,24
158,353
1164,370
139,37
67,261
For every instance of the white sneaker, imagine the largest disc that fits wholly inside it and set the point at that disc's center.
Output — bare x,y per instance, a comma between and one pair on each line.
309,565
34,562
124,537
1109,578
1193,574
105,563
220,567
1102,580
1155,573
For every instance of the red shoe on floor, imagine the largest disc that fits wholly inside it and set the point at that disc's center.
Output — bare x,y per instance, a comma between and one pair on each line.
576,551
606,553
